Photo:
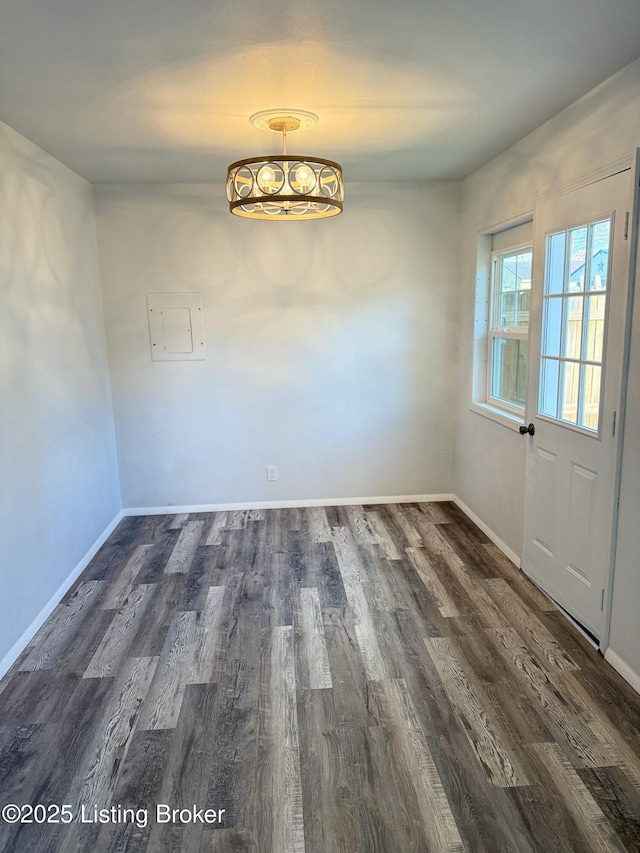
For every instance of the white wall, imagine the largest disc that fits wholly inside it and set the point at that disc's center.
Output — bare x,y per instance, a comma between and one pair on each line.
58,469
597,129
331,345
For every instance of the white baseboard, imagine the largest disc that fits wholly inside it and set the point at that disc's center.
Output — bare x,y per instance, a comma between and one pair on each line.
515,559
629,675
292,504
20,645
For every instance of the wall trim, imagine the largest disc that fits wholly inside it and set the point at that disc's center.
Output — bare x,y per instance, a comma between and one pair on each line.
620,164
515,559
20,645
290,504
629,675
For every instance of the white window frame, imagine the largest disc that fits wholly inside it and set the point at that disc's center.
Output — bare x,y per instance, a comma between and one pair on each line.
495,331
479,403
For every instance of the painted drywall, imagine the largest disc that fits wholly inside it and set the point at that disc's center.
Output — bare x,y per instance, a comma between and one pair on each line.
490,458
58,469
331,345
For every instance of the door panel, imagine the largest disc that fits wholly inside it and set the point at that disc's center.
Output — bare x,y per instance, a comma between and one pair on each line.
545,479
583,492
581,265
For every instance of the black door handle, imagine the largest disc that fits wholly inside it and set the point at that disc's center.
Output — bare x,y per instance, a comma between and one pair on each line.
528,429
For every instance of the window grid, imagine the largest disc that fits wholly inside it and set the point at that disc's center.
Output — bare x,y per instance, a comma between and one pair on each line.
575,399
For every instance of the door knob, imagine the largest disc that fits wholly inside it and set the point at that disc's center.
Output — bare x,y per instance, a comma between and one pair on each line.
528,429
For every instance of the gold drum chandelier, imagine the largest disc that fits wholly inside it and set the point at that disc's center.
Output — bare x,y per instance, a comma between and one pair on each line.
285,186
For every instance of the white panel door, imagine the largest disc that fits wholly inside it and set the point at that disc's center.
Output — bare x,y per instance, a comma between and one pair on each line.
581,268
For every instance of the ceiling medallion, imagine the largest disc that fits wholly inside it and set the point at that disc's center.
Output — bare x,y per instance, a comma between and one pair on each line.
285,186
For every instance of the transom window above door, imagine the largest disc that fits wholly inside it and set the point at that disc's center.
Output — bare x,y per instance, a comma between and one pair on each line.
573,324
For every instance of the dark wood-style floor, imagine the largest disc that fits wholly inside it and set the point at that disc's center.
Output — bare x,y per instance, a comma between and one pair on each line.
343,679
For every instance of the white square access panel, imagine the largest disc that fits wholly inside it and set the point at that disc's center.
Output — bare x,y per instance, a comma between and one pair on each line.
176,326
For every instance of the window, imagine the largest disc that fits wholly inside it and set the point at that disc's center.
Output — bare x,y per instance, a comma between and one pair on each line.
573,321
501,322
508,344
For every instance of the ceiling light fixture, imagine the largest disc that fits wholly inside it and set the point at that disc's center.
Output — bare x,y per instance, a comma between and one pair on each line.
285,186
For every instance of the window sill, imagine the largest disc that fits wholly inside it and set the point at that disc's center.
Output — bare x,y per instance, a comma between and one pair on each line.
500,416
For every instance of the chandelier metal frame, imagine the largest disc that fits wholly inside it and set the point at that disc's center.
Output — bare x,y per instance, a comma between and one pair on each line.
285,186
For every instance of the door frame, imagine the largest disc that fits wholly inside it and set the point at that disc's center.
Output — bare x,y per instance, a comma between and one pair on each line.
628,162
633,237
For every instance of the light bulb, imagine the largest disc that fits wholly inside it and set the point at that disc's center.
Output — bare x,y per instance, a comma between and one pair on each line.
305,177
266,179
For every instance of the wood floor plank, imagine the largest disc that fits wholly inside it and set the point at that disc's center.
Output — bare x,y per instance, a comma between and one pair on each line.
521,720
415,763
280,588
358,521
237,519
316,721
319,529
115,644
218,524
164,698
96,779
529,627
616,700
188,763
502,567
365,679
445,559
488,741
208,658
168,595
401,524
347,668
365,630
596,829
45,771
216,771
184,551
45,649
310,642
353,824
598,722
230,841
385,582
392,796
419,602
353,573
565,721
287,831
119,589
299,558
349,560
158,557
178,521
430,579
611,790
329,579
138,786
383,537
548,822
441,512
194,584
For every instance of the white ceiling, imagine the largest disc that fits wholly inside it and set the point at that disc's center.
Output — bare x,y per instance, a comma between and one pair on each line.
161,90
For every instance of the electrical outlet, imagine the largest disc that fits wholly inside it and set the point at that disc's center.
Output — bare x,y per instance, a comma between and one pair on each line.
272,473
